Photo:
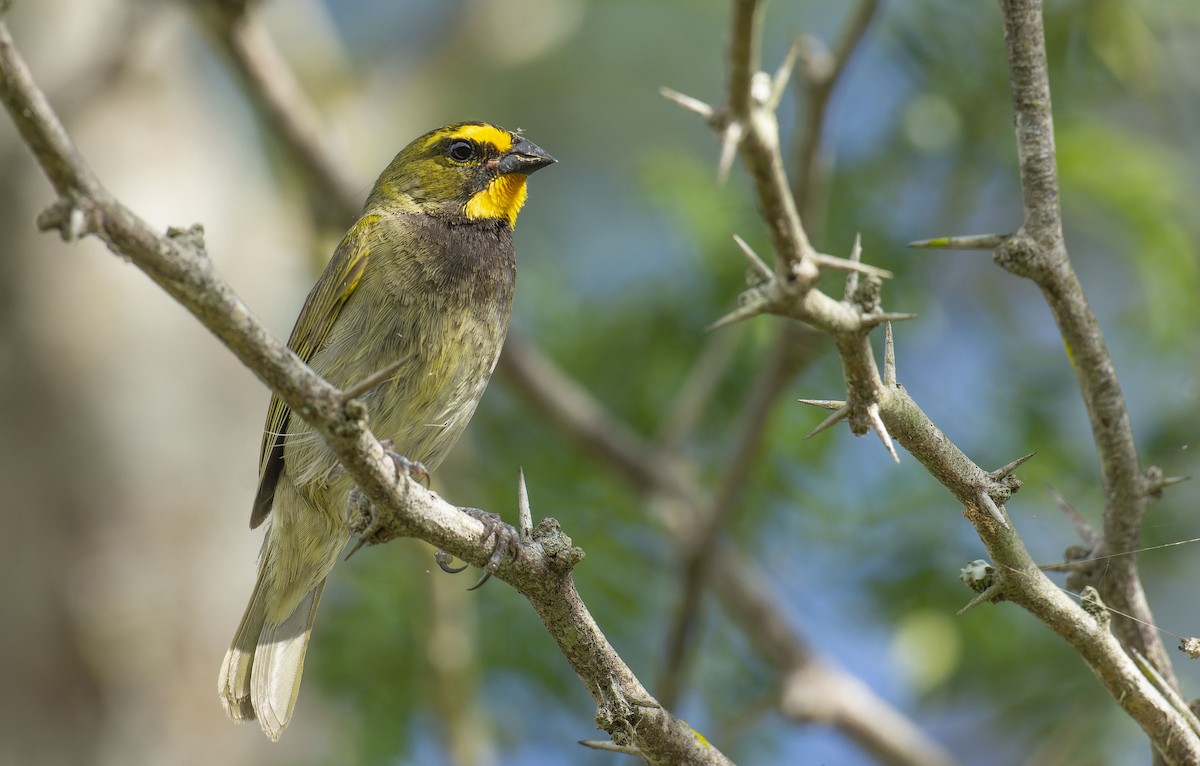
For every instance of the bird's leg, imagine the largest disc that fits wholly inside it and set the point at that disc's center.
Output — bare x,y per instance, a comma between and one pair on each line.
363,521
508,541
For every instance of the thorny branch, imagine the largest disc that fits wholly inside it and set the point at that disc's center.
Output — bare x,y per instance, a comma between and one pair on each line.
794,344
748,119
178,263
820,73
283,106
1038,252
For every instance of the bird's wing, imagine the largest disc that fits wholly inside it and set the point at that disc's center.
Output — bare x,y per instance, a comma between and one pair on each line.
320,311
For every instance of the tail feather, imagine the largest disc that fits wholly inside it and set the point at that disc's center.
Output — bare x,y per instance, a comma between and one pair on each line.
279,664
260,676
233,685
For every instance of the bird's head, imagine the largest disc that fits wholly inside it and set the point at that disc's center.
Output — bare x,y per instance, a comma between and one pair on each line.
469,171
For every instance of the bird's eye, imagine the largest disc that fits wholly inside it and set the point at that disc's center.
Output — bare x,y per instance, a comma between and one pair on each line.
461,151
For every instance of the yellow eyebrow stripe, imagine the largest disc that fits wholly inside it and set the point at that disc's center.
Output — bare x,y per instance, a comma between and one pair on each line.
483,134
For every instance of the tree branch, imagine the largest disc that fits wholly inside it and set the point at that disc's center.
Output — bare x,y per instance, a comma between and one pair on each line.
816,689
888,408
820,74
282,104
748,113
790,352
1039,252
792,347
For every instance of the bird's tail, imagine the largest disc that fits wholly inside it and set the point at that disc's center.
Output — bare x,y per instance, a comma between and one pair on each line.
260,676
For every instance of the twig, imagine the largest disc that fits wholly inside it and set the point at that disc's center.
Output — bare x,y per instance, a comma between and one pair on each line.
749,120
760,147
333,192
691,403
821,74
1085,530
815,688
1038,252
787,357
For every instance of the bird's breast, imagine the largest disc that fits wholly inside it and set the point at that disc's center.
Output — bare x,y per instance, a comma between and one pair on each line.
438,297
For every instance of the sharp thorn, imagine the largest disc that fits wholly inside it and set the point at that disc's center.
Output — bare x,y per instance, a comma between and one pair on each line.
1166,481
524,513
737,315
837,416
988,504
730,139
609,747
693,105
647,702
968,242
1008,468
881,430
825,404
783,74
843,264
987,595
1082,527
871,320
761,267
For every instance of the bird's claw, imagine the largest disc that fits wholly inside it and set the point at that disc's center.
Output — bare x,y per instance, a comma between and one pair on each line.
508,541
443,560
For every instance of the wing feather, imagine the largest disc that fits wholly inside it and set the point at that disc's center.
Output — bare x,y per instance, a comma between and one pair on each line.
321,309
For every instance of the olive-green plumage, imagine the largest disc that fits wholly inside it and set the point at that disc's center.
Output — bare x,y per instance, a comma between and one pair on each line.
426,275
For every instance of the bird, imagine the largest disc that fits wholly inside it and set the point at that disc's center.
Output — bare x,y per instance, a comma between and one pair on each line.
422,282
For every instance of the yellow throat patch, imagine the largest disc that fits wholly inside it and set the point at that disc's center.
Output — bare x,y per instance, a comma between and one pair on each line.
503,198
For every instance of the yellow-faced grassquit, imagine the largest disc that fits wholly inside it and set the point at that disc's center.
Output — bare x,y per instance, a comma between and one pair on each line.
424,278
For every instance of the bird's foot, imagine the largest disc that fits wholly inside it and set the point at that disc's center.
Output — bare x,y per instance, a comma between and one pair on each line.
363,520
508,541
415,469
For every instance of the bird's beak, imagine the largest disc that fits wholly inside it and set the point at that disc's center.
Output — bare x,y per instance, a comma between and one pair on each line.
524,157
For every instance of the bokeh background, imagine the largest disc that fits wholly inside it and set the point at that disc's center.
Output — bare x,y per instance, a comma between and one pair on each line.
129,436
